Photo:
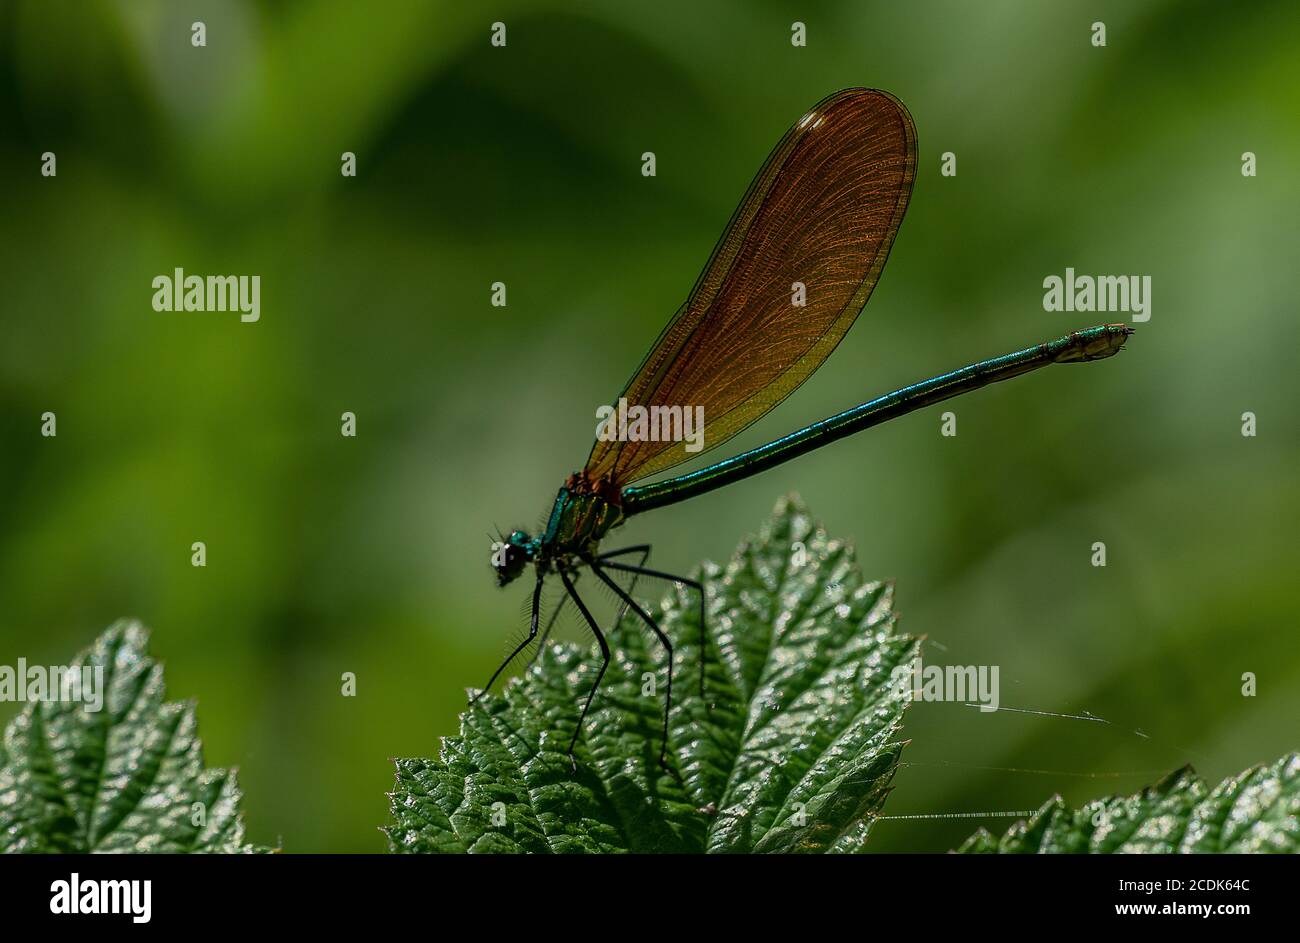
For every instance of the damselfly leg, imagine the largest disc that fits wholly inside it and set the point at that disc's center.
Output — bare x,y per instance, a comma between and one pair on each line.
532,634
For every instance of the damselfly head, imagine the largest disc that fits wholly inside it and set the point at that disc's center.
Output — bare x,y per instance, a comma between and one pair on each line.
511,555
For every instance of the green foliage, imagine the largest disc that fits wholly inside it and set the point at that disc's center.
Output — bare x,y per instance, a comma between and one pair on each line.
792,749
126,778
1254,811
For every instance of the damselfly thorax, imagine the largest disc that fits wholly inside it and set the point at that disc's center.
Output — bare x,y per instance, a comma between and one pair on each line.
583,513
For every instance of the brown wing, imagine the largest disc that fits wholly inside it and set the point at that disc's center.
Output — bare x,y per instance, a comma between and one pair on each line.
823,212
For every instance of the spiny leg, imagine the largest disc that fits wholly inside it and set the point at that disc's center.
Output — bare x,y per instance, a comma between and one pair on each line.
532,634
604,651
699,587
663,640
546,632
644,550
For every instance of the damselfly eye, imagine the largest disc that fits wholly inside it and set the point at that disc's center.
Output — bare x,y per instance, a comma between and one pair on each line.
509,557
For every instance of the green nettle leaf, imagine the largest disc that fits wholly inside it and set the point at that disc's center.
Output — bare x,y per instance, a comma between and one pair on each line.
128,777
792,749
1255,811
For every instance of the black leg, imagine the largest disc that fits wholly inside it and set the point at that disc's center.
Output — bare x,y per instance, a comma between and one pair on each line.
644,550
604,651
532,634
663,640
546,632
699,587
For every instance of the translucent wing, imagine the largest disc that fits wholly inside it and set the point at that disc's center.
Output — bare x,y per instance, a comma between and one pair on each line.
821,214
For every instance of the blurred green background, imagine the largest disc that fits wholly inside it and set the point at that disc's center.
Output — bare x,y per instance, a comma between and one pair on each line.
478,164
